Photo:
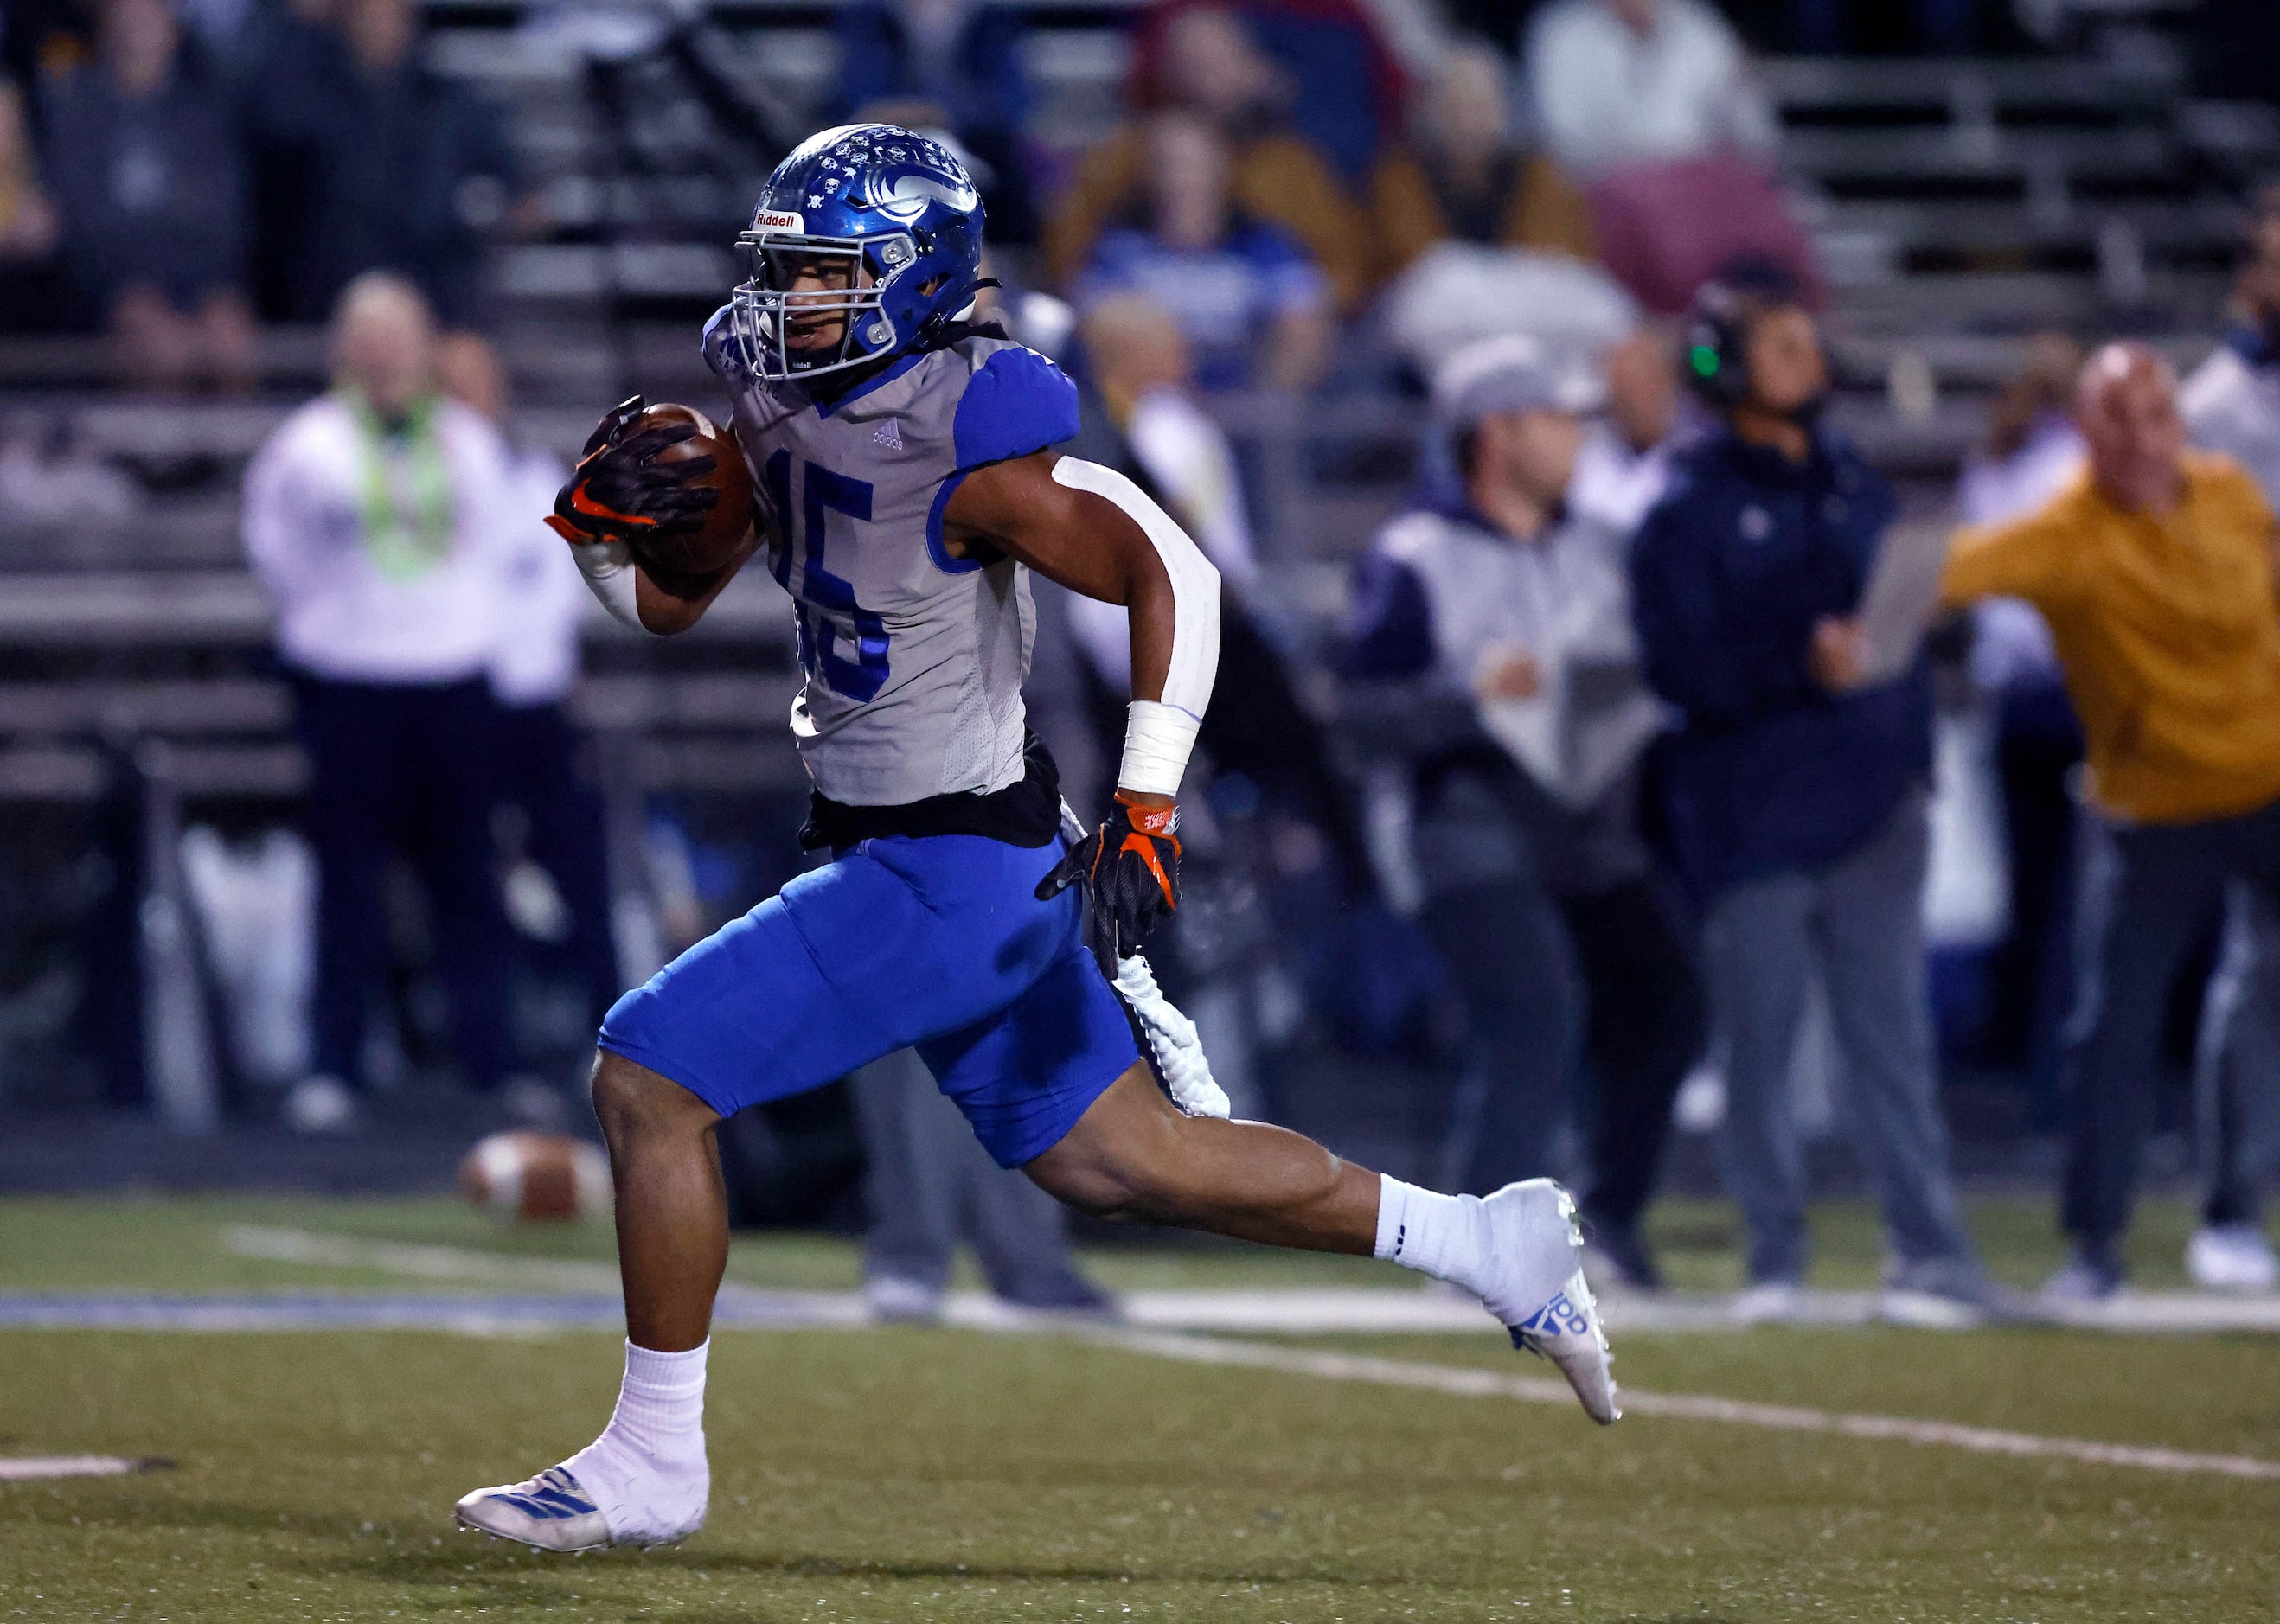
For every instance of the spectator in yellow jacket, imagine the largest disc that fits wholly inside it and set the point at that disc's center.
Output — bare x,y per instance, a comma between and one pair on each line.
2155,572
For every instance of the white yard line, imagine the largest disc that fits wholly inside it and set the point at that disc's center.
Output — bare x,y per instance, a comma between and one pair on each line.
442,1262
470,1265
1479,1384
1299,1311
1154,1329
28,1469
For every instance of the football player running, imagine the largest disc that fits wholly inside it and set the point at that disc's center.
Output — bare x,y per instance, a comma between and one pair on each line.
906,488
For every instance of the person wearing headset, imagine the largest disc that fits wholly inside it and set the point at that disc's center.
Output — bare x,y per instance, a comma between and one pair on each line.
1796,807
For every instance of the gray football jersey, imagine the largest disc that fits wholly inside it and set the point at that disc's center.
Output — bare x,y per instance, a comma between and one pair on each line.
914,659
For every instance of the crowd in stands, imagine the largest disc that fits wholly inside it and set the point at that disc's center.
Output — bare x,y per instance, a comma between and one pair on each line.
171,175
1655,780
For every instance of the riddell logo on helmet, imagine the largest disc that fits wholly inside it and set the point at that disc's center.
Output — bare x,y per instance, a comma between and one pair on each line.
769,219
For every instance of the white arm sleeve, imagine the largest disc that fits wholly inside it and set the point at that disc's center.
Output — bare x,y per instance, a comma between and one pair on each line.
608,567
1159,734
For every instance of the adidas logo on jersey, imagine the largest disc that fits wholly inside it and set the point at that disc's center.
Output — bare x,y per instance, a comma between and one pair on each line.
890,434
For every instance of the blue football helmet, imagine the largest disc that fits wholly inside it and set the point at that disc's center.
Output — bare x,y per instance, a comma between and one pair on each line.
884,227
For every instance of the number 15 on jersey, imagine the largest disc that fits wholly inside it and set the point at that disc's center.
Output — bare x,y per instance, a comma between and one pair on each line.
820,598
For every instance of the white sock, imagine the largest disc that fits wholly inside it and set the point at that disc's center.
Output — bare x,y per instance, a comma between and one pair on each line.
647,1471
1514,1259
1445,1237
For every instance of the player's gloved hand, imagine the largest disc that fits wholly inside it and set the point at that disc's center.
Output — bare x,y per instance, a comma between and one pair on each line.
619,494
1130,868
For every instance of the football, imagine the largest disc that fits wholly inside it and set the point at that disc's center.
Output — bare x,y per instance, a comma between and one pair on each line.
536,1178
674,558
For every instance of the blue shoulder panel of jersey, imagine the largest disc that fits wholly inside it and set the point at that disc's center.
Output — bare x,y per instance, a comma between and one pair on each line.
1018,403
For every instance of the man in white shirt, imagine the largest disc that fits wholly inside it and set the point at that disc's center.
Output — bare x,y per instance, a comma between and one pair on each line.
373,516
1624,82
2231,404
545,761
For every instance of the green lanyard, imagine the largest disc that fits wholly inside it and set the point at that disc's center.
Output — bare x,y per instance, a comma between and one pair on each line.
407,489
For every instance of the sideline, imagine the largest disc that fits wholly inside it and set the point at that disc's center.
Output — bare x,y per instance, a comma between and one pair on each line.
1303,1311
1675,1406
513,1315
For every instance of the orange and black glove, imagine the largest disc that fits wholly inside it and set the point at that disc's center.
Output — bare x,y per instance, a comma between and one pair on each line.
619,494
1130,868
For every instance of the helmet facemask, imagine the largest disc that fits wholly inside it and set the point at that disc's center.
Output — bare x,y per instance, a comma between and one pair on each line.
800,286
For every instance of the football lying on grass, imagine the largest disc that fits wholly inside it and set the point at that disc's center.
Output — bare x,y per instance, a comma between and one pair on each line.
537,1178
711,546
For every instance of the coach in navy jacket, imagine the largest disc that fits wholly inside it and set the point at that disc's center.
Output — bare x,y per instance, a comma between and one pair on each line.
1796,809
1730,572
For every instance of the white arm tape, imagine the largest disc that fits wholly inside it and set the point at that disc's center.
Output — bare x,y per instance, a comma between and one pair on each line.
1158,741
608,567
1155,746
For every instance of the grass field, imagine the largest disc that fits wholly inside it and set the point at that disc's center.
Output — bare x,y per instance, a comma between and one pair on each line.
941,1474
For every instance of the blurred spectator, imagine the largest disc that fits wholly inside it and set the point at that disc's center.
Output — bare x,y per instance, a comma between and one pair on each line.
1148,425
546,769
1456,294
220,31
1345,87
48,475
1796,809
29,230
1461,175
949,65
928,1184
1625,462
2236,1106
394,168
1624,82
1139,361
1522,714
2156,574
1650,105
147,172
2231,404
373,517
45,39
1212,70
2033,451
1253,308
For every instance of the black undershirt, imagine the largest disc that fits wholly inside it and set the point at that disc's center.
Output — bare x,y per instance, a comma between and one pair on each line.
1024,815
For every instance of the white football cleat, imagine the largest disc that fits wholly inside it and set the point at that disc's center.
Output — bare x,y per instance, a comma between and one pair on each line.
550,1510
1541,1295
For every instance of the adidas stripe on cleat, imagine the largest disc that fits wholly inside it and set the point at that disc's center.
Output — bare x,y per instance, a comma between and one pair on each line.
1566,1331
1539,1291
550,1510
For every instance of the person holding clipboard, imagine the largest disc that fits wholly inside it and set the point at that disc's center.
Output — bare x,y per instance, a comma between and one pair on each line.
1795,794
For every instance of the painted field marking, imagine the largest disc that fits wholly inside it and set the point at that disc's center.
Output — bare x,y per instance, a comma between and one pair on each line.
1419,1310
1298,1310
474,1266
463,1263
31,1468
527,1314
1677,1406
